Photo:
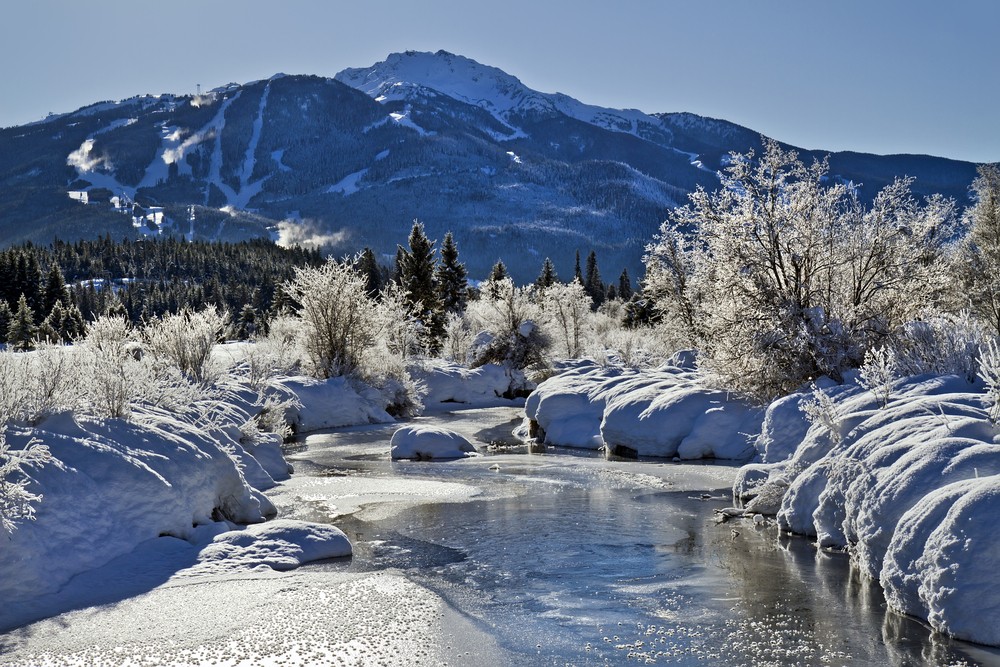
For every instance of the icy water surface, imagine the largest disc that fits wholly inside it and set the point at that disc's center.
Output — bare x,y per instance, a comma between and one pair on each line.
571,559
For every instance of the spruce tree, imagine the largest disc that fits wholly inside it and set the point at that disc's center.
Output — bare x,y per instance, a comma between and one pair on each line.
452,278
577,274
499,271
624,286
593,283
417,268
6,317
548,277
55,290
22,330
368,267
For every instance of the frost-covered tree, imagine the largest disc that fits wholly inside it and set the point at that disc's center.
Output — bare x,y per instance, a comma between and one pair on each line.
566,310
981,272
451,278
781,275
508,314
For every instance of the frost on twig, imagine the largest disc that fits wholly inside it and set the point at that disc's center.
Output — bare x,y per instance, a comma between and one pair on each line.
17,503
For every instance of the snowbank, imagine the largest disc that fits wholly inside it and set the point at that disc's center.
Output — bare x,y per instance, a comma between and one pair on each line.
664,412
113,484
424,443
911,488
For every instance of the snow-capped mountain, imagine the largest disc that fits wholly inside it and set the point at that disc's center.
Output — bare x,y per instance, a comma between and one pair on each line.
515,173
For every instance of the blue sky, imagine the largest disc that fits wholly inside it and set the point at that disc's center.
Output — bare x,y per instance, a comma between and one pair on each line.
881,76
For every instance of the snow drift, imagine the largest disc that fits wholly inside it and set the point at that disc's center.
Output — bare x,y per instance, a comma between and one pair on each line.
909,487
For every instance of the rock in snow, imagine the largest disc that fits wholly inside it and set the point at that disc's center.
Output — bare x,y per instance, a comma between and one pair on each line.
425,443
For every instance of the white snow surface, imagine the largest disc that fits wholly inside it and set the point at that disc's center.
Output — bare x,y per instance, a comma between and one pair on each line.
911,489
426,443
663,412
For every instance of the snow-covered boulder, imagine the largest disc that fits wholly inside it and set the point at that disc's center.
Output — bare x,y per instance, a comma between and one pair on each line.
447,382
662,412
425,443
331,403
281,544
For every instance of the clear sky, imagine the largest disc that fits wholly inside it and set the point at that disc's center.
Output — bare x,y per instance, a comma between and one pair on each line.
880,76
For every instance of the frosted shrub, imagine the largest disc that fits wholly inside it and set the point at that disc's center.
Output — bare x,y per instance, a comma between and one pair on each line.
279,352
878,373
459,335
186,340
941,344
335,313
989,373
17,503
111,359
509,315
35,385
822,410
566,316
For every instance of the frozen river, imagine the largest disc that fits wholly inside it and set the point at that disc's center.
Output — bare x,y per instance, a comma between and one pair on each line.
505,559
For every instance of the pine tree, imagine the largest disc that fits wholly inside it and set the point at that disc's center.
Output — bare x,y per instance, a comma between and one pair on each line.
417,268
55,290
22,330
6,317
247,325
577,273
624,286
498,272
593,283
548,276
368,266
452,278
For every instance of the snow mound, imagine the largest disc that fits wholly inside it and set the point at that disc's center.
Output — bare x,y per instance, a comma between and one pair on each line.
424,443
664,412
281,544
911,488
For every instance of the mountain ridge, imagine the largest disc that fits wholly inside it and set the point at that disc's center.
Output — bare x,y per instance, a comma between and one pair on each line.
355,158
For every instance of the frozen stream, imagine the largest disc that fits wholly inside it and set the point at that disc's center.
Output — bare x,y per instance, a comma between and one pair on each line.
505,559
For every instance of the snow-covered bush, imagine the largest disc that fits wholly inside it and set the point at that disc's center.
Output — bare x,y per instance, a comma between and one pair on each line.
186,340
565,312
508,315
335,315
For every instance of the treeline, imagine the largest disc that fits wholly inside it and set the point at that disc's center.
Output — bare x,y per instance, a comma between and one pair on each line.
139,279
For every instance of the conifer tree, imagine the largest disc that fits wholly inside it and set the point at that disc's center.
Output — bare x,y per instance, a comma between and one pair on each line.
548,276
55,290
577,273
498,272
6,317
368,267
417,267
593,283
22,330
452,278
624,286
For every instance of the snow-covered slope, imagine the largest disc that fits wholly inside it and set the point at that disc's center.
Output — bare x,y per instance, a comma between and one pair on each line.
414,74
